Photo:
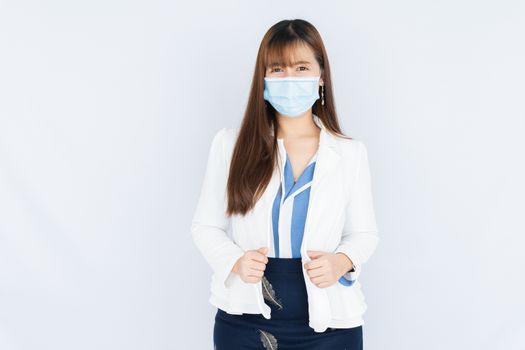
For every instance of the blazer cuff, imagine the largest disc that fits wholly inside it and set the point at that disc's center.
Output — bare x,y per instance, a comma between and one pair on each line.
225,273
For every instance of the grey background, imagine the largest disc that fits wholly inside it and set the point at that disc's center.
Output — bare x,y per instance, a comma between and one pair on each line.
107,110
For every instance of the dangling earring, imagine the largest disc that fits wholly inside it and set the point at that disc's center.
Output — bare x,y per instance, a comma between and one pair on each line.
322,95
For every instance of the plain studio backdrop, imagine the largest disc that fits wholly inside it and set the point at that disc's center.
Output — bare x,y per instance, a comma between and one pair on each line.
107,111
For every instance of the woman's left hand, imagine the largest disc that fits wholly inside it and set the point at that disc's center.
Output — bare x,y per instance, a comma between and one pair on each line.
326,268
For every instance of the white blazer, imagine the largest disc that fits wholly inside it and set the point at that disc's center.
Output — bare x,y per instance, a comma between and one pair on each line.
340,219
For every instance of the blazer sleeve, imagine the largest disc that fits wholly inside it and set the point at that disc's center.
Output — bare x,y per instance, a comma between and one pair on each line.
359,238
210,222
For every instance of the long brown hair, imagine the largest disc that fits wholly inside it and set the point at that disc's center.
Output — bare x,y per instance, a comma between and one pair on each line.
255,151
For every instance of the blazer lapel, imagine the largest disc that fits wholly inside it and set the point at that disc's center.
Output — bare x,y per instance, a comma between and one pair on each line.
328,156
328,159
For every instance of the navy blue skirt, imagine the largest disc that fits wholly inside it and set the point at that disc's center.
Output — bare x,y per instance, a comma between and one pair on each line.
285,292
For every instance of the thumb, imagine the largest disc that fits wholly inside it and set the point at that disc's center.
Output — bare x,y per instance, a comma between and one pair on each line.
263,250
315,253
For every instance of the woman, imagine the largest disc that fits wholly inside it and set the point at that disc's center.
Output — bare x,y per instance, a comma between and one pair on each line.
294,194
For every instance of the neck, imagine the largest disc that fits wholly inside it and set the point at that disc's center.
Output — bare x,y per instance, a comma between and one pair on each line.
296,127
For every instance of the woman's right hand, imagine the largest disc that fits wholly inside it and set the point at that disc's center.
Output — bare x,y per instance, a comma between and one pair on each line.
250,267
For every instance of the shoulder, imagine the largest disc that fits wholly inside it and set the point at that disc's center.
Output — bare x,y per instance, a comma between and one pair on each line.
351,149
229,138
354,156
224,136
223,142
230,134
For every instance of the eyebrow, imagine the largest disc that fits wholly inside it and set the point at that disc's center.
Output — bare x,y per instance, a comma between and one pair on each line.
300,62
293,64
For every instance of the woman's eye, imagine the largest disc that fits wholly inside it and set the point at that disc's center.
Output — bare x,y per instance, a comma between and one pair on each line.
272,70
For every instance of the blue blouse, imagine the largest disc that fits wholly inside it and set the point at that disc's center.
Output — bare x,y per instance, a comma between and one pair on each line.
289,211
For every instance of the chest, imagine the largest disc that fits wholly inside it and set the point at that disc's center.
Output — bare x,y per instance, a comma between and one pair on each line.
327,201
298,155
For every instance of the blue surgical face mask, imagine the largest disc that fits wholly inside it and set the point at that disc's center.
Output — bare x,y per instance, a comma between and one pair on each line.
291,96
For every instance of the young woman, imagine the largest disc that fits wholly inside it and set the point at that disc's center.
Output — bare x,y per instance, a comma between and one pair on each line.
294,193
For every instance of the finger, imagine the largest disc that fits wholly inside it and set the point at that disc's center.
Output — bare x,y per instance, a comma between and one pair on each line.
258,266
318,279
255,273
314,264
312,273
255,255
252,279
324,285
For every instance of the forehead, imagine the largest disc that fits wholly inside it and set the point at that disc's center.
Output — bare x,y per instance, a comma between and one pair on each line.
290,54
